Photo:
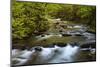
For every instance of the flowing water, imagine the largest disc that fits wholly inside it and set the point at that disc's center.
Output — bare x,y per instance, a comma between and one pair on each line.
55,48
47,55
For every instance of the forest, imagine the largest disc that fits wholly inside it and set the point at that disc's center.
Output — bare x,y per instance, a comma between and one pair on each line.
30,18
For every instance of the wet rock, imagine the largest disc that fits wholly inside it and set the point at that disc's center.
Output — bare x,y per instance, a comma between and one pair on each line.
60,30
88,44
38,48
42,35
78,34
91,32
66,34
74,44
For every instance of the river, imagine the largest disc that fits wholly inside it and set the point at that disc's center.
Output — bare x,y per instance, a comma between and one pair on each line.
63,47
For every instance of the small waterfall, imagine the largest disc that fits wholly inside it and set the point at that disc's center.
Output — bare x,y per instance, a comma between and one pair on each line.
65,54
46,55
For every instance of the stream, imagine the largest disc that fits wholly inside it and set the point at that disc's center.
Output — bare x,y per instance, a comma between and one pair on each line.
64,47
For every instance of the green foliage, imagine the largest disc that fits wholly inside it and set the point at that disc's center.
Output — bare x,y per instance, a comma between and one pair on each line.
87,15
77,13
28,17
